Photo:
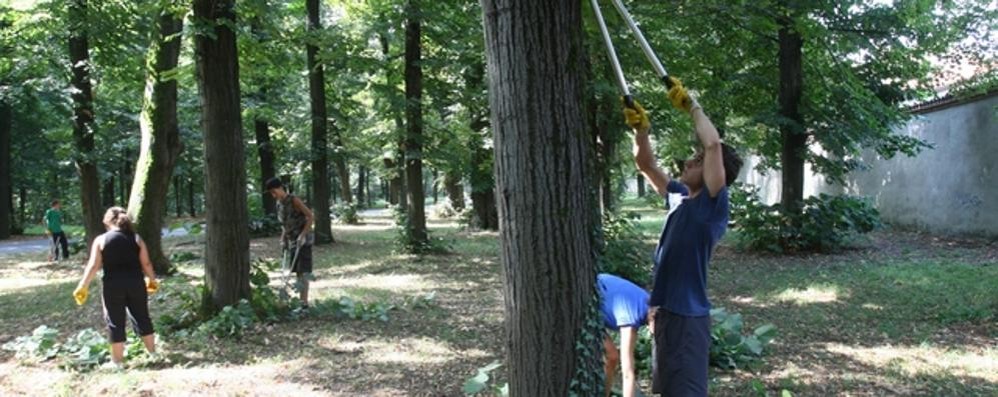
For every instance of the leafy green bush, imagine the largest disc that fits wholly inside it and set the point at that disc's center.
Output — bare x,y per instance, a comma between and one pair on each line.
347,213
825,224
41,345
404,241
87,349
625,254
729,348
183,256
264,226
480,382
231,321
344,307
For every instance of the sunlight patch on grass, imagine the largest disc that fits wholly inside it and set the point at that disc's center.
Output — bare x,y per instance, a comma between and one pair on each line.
414,352
8,285
391,282
913,360
812,294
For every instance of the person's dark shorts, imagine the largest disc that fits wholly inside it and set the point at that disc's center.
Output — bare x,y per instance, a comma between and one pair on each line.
304,262
681,354
126,300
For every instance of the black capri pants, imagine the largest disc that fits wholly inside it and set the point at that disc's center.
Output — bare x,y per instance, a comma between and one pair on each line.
126,298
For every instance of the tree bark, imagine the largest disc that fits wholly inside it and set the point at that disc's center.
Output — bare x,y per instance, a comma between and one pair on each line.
161,144
455,190
793,136
361,182
83,120
6,203
320,154
190,197
227,242
179,195
546,200
107,192
266,152
641,185
414,125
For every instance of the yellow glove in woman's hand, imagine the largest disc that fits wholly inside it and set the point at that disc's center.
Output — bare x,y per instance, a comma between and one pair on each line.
152,286
679,97
636,117
80,294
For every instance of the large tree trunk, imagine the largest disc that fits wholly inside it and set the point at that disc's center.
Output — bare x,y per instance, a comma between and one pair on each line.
179,195
6,203
261,129
414,125
455,190
190,198
361,183
266,152
227,242
320,154
794,138
107,192
83,120
161,145
545,197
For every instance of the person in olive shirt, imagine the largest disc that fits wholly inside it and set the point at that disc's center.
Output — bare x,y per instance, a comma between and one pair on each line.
296,233
53,227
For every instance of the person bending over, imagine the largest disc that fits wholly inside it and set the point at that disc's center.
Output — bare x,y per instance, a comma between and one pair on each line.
625,310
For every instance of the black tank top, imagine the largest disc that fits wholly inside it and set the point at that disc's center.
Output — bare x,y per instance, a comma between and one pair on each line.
121,256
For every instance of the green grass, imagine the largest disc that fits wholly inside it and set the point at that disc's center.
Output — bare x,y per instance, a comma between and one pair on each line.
904,314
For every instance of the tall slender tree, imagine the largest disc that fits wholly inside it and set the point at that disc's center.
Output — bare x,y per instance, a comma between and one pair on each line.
83,119
320,154
161,144
227,243
546,195
414,125
6,204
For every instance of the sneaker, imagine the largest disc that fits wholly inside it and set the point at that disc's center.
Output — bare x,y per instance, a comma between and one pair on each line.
112,366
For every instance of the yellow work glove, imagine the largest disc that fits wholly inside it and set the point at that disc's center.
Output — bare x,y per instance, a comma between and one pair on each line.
636,117
80,294
679,97
151,286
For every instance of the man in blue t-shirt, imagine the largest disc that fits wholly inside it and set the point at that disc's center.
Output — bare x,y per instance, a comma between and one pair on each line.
680,310
625,309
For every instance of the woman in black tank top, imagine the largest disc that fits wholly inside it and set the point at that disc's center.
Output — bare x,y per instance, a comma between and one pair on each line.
123,256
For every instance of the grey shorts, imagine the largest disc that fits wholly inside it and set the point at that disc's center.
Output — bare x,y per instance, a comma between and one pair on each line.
681,354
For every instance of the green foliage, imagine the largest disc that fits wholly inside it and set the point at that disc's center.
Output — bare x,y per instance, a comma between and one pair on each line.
264,226
345,307
589,376
183,256
730,349
231,321
480,382
404,241
825,224
625,253
89,348
347,213
83,351
41,345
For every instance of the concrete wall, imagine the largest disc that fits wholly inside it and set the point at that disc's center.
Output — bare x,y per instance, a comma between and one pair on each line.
952,188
